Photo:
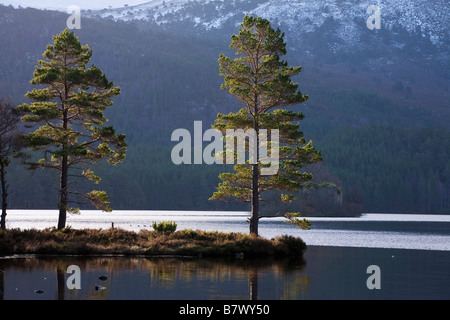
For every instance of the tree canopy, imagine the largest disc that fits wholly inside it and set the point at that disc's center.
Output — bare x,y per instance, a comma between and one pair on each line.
68,108
261,81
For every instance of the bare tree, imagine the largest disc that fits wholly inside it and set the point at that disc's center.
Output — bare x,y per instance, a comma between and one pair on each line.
9,133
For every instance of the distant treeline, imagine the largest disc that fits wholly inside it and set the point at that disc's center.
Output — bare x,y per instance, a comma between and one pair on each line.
394,169
377,168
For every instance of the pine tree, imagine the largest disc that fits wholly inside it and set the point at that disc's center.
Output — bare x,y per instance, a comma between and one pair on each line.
9,133
261,81
69,110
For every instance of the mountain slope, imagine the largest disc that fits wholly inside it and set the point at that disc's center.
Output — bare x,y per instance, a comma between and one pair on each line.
417,17
169,78
408,59
308,15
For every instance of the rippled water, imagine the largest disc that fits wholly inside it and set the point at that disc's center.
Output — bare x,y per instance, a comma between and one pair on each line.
405,231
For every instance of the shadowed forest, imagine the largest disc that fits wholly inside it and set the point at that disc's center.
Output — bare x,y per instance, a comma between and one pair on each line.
385,144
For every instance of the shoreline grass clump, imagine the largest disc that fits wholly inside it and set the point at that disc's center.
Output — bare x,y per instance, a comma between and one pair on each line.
185,242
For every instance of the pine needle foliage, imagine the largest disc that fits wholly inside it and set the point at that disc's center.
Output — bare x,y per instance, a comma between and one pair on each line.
67,115
262,82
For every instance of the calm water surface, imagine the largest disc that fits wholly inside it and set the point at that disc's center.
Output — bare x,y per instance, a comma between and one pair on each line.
324,273
412,252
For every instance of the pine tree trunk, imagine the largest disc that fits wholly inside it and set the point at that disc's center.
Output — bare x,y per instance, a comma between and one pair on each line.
254,218
63,199
4,195
63,192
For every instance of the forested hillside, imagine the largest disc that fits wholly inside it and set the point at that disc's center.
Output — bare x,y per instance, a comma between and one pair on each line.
396,169
385,141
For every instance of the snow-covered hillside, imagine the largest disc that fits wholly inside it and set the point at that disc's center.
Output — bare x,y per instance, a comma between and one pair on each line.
62,5
429,18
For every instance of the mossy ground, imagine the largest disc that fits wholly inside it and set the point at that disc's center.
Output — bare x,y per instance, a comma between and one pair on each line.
146,242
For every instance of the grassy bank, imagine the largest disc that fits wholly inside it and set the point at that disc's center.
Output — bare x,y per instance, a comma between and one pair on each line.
145,242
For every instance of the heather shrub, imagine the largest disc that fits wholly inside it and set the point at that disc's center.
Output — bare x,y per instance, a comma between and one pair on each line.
164,226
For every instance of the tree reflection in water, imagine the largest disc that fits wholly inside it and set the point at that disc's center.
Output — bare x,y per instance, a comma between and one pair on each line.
153,278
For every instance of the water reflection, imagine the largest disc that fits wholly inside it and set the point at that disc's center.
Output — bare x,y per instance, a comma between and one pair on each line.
330,273
45,277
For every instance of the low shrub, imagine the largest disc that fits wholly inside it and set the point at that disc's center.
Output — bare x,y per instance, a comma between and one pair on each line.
165,226
294,246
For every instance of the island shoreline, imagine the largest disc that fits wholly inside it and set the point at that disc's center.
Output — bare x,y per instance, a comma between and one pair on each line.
146,243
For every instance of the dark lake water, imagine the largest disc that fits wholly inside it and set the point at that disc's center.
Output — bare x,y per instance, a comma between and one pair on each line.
324,273
411,254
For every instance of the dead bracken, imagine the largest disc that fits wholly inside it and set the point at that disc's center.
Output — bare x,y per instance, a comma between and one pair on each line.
185,242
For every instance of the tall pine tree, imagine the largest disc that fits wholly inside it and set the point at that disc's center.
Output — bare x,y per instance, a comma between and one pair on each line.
261,81
69,109
9,134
